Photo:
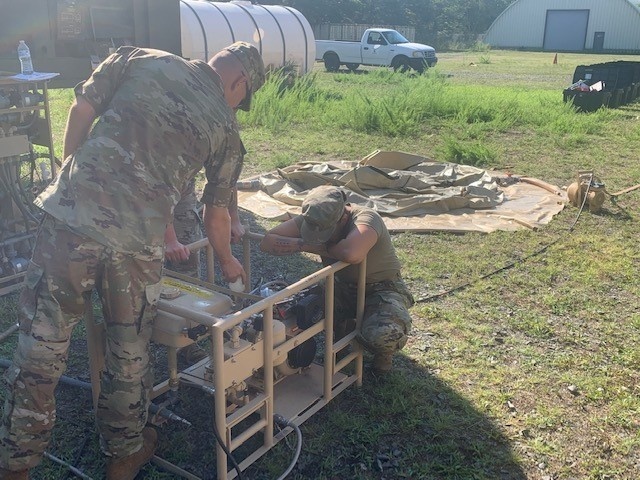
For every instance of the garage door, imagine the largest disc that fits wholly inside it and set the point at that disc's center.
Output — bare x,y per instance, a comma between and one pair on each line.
566,30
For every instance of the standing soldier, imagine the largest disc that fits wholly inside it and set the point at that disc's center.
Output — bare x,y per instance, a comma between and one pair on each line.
161,119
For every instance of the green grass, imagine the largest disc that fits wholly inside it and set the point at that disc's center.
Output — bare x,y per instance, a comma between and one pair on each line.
481,391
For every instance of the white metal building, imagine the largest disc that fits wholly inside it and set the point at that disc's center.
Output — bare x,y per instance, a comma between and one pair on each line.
568,25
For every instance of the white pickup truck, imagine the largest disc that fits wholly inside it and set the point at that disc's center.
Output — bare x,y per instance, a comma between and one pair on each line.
379,46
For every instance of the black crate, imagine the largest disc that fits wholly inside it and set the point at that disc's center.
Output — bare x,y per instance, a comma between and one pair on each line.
621,81
617,98
587,101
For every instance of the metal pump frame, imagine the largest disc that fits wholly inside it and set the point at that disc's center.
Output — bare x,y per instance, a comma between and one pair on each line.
296,397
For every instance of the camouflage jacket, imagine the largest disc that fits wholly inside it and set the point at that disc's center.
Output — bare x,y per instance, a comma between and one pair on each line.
161,119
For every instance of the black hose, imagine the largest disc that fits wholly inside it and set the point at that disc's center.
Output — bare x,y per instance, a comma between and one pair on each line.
227,452
6,185
154,408
509,265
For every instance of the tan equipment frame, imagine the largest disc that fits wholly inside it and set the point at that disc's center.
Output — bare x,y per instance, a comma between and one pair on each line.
296,397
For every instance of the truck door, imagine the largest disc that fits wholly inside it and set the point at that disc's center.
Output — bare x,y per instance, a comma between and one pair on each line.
376,49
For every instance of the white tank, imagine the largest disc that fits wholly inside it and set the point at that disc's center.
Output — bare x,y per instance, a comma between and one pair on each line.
281,34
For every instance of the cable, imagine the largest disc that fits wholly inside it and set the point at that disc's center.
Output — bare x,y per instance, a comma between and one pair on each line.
71,468
283,423
5,183
437,296
584,201
280,284
223,445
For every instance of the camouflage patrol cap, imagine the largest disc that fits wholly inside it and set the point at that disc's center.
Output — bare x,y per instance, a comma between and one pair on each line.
321,210
253,65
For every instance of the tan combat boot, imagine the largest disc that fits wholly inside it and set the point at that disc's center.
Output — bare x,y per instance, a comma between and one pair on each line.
14,475
126,468
382,363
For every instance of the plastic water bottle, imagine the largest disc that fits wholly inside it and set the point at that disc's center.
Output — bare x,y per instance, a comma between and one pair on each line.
24,55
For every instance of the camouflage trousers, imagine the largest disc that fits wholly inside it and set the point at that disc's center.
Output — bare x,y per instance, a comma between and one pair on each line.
386,321
188,231
64,271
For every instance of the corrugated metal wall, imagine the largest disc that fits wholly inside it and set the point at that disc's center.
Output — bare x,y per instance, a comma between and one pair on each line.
522,24
354,31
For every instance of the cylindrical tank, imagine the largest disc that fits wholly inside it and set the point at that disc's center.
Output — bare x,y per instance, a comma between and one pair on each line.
281,34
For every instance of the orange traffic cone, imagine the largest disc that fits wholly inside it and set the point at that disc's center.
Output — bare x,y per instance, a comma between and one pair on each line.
555,59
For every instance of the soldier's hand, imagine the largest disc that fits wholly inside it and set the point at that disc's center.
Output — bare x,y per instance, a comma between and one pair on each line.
232,269
237,232
176,252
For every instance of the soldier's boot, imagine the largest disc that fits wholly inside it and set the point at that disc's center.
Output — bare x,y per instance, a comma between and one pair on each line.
14,475
382,363
126,468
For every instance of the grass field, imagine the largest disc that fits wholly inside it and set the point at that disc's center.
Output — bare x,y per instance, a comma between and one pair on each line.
524,361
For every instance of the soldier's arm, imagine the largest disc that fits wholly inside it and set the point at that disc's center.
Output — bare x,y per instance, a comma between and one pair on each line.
355,246
81,117
285,239
217,224
237,229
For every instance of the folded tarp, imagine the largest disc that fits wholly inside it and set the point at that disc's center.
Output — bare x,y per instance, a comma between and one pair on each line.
412,193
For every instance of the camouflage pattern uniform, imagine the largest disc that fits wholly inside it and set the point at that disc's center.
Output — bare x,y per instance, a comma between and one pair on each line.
161,120
386,321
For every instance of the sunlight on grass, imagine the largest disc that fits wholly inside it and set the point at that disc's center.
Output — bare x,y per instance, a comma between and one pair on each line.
413,100
481,389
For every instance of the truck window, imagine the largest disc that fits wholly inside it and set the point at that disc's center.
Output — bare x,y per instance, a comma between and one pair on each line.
376,38
394,37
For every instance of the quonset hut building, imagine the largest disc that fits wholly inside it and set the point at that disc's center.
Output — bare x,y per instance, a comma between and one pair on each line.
568,26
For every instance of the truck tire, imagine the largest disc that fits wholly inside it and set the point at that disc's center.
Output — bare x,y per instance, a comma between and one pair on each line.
331,62
353,66
400,63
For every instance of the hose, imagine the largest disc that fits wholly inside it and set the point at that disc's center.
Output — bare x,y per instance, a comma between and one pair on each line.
273,283
154,408
5,183
584,201
227,452
509,265
283,423
71,468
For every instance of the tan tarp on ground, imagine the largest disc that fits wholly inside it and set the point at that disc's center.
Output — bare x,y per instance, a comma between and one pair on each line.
413,193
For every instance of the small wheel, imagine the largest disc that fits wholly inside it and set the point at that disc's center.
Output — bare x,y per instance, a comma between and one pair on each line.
331,62
353,66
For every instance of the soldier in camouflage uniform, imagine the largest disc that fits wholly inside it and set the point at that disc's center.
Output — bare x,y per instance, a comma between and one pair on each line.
337,230
161,119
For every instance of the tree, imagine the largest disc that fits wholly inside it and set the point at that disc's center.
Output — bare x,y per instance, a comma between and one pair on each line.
437,22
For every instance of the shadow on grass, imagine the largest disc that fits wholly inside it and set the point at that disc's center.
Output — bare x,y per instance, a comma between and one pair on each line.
408,424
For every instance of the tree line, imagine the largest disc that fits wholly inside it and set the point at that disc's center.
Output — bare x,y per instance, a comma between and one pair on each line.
444,24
